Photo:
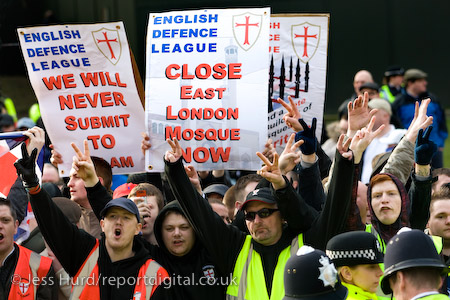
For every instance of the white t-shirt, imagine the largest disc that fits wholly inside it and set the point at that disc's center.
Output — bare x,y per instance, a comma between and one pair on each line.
377,146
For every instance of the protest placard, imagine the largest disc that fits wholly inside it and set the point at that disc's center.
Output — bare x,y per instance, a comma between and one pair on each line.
206,85
83,80
298,54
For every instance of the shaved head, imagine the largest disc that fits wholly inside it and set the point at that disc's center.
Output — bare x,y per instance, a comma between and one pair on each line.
361,77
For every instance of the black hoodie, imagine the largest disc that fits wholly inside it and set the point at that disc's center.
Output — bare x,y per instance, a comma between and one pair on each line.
414,211
197,264
190,272
72,247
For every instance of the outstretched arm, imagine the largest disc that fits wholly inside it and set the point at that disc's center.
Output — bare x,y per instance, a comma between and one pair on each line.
359,143
71,250
420,191
333,219
310,188
401,160
223,242
17,194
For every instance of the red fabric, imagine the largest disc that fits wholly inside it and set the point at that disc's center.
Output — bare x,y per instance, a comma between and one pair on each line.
123,190
22,281
91,288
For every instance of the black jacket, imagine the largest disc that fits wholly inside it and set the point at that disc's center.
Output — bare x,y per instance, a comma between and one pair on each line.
189,272
72,246
225,242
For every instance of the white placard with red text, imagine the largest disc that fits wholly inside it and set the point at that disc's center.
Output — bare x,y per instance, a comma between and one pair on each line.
83,79
302,41
206,85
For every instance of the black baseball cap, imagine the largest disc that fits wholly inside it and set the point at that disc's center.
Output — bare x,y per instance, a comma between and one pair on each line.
124,203
220,189
263,195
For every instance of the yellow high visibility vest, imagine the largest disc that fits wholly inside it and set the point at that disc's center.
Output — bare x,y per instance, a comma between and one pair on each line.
249,273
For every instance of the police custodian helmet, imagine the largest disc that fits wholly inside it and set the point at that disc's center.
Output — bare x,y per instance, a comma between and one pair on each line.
310,275
409,249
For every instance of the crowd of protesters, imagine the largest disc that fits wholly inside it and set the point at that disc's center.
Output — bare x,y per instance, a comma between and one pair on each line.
365,215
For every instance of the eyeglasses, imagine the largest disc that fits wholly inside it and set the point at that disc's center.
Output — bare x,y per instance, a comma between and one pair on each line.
262,213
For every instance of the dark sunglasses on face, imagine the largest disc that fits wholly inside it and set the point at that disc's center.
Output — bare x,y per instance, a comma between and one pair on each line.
262,213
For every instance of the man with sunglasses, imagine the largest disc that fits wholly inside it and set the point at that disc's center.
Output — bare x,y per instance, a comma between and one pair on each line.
276,218
263,216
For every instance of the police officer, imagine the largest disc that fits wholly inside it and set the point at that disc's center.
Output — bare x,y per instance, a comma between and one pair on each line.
413,268
357,255
311,275
392,83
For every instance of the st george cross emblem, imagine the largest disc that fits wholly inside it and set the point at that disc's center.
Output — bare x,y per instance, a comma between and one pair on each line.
208,271
108,42
23,287
305,40
246,29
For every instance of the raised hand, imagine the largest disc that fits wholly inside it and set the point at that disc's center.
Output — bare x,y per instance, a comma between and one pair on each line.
56,158
175,153
309,136
193,177
292,115
36,136
144,210
271,171
269,150
145,143
420,121
359,114
425,148
342,147
363,138
290,156
83,166
26,168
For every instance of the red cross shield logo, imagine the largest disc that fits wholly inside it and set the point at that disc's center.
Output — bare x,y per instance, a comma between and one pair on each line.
23,287
208,271
305,40
246,29
108,42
